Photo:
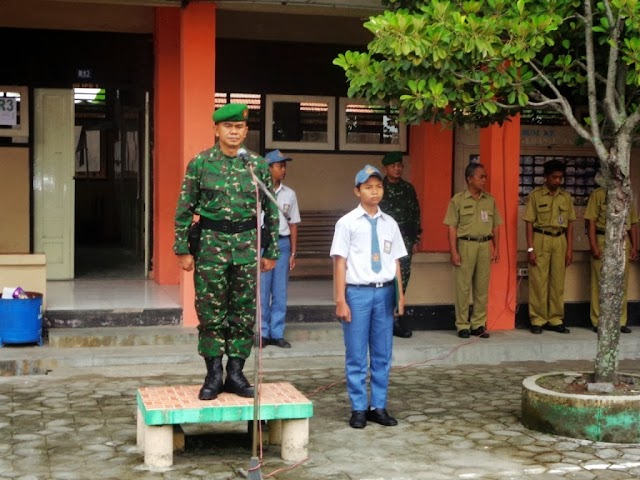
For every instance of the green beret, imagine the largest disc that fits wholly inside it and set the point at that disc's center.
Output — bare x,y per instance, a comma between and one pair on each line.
391,158
231,112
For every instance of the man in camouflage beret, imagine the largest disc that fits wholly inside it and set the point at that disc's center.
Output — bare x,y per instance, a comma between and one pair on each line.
401,202
218,187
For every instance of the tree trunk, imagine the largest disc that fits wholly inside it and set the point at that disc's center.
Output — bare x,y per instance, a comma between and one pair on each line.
618,186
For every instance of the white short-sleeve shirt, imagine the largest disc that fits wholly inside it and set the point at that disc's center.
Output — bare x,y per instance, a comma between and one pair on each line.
288,201
352,240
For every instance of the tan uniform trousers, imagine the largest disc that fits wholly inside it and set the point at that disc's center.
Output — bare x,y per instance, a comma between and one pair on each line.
472,276
596,266
546,280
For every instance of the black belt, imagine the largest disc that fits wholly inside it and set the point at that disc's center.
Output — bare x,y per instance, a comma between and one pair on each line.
600,231
226,226
547,232
372,285
284,236
476,239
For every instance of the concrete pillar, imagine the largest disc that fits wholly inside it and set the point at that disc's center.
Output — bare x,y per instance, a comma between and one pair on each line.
158,446
295,440
275,432
140,425
431,153
500,154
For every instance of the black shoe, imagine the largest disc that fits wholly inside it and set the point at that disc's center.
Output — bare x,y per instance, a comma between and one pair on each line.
380,415
557,328
358,419
480,332
212,386
595,329
536,329
279,342
236,382
625,329
463,333
399,331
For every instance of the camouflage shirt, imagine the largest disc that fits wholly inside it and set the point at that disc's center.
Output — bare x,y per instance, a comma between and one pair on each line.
220,188
401,202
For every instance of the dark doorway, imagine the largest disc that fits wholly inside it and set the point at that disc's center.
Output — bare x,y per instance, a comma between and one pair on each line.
110,184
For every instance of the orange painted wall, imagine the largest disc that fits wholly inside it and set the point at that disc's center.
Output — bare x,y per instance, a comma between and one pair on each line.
167,168
196,99
500,154
431,153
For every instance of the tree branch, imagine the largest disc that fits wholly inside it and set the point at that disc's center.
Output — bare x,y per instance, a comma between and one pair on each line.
591,75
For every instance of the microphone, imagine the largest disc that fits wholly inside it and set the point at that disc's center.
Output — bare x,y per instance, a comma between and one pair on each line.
243,154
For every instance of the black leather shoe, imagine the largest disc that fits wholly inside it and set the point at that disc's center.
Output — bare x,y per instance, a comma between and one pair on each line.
557,328
280,342
595,329
358,419
480,332
625,329
380,415
463,333
537,329
399,331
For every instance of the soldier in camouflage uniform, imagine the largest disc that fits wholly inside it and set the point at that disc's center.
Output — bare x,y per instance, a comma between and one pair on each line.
401,202
218,187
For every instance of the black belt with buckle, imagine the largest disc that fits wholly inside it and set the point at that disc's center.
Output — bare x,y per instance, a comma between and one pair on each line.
547,232
283,236
600,231
226,226
372,285
476,239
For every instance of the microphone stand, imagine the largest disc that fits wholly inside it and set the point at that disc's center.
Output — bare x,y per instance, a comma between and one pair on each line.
254,472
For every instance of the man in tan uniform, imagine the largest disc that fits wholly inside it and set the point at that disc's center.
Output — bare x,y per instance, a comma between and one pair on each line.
595,215
473,221
549,215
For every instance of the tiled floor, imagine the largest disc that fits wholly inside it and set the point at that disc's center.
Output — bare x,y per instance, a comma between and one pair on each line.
110,277
112,293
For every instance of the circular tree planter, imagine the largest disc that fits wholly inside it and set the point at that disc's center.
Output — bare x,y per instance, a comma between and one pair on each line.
601,418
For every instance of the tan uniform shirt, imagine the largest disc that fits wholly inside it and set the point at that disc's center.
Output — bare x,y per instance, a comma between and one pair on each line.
471,217
547,211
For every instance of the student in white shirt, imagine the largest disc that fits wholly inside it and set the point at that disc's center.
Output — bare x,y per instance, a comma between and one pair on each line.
366,275
274,283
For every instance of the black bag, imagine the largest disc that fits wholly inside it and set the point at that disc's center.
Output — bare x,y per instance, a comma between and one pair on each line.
194,237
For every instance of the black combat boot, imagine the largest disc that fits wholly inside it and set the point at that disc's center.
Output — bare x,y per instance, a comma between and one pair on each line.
236,382
213,381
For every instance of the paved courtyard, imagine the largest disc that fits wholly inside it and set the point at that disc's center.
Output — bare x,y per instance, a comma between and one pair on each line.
456,422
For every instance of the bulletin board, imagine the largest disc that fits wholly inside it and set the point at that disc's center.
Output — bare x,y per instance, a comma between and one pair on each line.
579,177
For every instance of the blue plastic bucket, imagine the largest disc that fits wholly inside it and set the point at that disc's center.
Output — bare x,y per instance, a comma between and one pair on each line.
21,319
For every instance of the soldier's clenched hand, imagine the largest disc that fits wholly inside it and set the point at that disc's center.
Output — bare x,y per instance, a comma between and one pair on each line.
185,262
267,264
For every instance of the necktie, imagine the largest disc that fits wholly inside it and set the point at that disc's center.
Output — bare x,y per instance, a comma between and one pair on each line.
376,264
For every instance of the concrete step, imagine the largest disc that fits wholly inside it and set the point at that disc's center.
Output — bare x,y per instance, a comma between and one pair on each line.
314,346
171,335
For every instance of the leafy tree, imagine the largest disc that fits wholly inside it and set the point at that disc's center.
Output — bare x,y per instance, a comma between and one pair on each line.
482,61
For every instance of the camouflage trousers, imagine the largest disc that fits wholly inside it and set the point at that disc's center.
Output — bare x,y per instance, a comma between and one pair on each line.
226,308
405,271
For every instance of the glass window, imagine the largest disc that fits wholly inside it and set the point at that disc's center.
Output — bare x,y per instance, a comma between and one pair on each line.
300,122
14,111
370,126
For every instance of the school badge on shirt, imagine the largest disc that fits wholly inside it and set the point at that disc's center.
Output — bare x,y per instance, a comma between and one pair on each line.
560,219
286,207
484,216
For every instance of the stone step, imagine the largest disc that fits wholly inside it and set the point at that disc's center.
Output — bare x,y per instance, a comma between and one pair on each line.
170,335
150,317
